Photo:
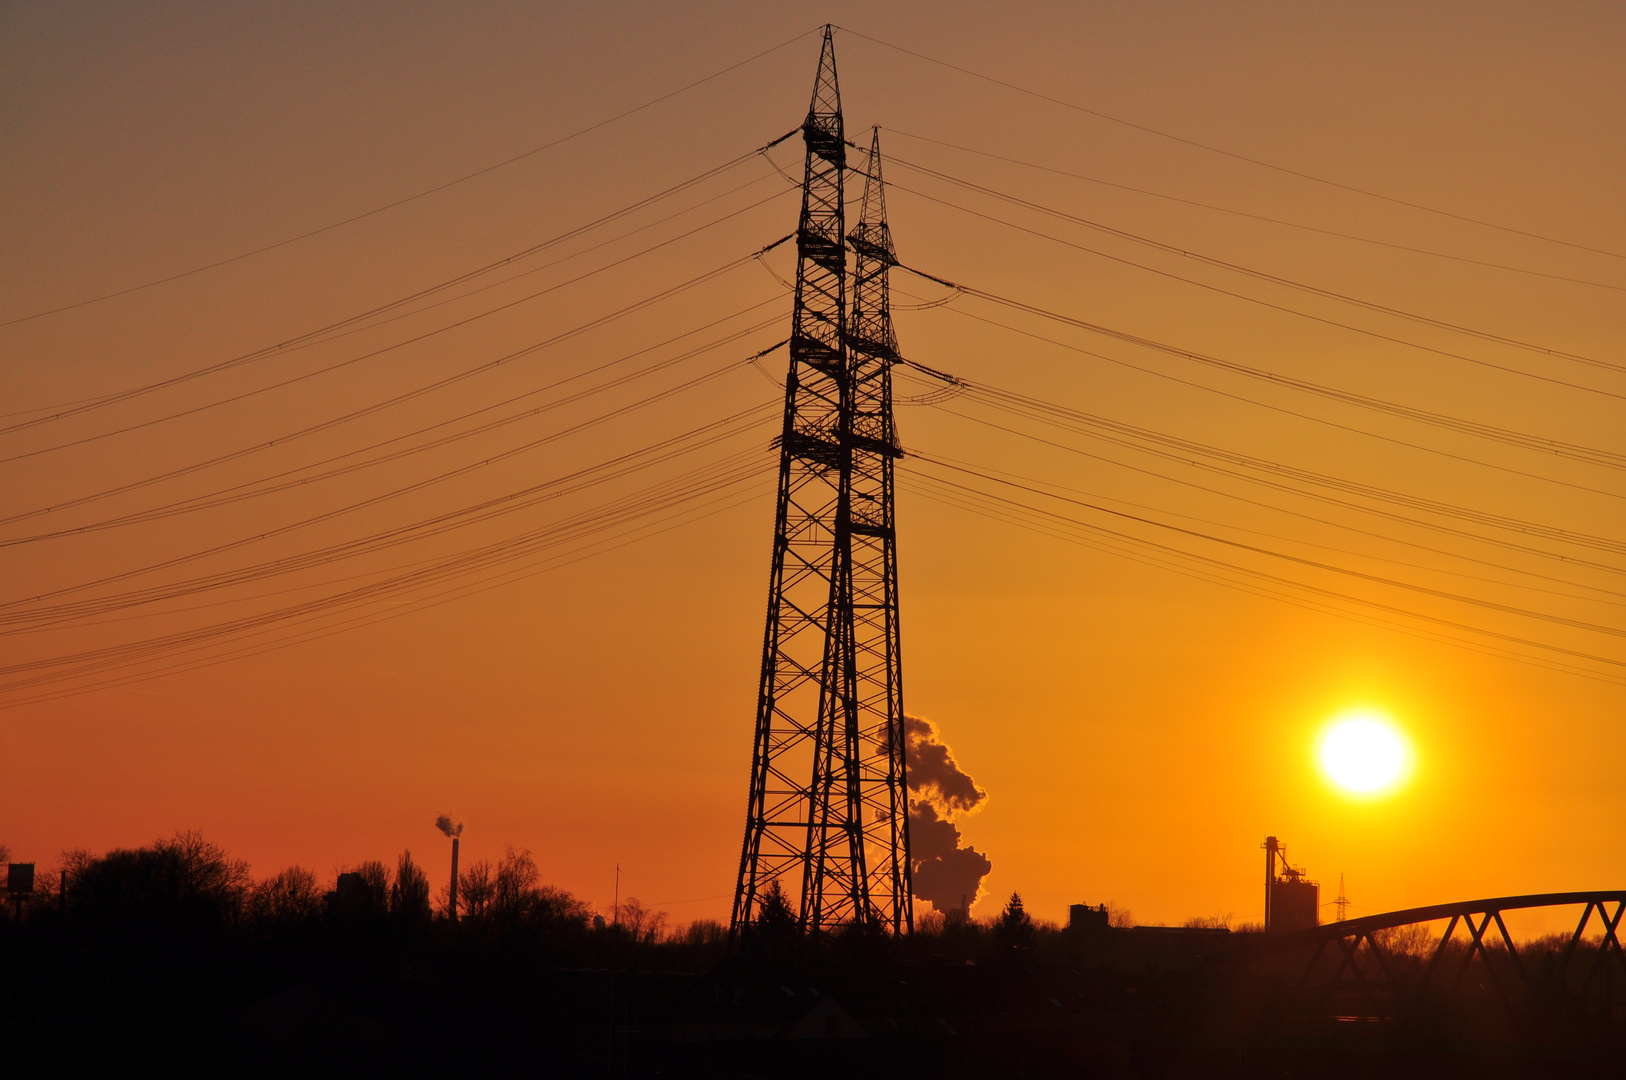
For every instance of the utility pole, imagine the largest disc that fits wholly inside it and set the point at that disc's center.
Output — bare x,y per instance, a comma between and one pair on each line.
827,811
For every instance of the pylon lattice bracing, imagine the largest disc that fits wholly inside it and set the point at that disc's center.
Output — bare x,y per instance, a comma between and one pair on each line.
827,814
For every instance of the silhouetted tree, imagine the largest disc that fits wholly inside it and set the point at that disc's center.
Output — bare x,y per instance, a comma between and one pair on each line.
185,879
865,943
777,932
409,895
362,892
641,925
514,890
475,889
1014,929
510,901
707,932
290,898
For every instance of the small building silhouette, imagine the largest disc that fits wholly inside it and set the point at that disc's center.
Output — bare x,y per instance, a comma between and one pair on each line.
1292,900
1084,919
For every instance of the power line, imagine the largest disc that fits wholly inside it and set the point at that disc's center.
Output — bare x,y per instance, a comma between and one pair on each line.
1261,275
302,475
1509,609
705,480
20,610
412,198
330,331
1312,518
1061,527
1283,410
1439,594
1232,154
1256,217
1479,361
1590,455
687,514
441,330
1113,431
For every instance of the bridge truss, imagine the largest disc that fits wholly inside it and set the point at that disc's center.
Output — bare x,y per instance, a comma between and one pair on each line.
1399,967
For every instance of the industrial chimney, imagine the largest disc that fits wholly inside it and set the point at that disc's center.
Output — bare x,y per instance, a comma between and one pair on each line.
444,824
1292,900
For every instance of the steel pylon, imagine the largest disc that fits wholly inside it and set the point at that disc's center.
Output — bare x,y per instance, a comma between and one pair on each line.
875,659
827,812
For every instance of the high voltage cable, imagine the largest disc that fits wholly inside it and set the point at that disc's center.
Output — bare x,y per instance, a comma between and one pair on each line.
420,195
1376,579
442,330
705,480
462,517
1232,154
584,524
1380,495
1600,543
292,478
1386,538
1249,271
686,514
69,616
166,612
1481,362
1189,453
589,520
1266,506
1115,431
1283,409
1590,455
1255,217
323,333
1061,527
457,518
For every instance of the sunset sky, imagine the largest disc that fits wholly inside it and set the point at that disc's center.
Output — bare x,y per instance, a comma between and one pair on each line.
1417,207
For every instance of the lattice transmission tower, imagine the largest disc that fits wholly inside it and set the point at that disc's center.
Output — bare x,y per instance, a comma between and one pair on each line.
827,816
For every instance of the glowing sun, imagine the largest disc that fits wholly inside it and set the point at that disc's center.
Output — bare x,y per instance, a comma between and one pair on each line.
1364,753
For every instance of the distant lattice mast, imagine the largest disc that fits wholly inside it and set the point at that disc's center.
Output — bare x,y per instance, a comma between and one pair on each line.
826,817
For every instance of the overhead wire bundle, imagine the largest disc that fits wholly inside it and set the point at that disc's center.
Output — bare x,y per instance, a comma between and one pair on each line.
498,452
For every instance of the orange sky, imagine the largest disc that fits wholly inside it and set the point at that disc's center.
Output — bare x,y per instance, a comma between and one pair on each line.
1139,731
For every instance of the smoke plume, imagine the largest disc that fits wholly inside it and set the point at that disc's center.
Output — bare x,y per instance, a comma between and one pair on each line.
946,872
444,824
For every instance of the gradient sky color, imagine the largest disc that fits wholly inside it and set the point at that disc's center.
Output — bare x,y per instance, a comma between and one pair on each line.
1138,731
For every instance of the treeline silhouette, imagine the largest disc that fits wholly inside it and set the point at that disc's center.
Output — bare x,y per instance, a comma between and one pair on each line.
188,881
173,958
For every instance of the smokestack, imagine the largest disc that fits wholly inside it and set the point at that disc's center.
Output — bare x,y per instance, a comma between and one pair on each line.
454,880
444,824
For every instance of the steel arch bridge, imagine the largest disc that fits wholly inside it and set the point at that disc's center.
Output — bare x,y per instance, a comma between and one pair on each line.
1391,966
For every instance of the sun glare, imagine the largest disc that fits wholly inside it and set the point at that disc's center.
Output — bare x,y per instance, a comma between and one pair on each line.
1364,753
